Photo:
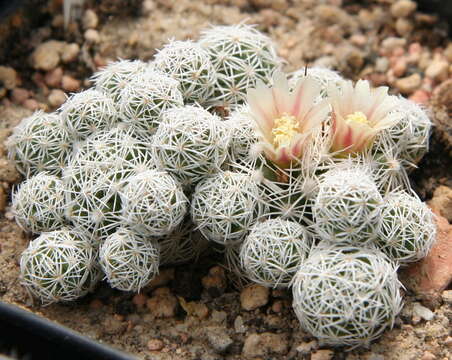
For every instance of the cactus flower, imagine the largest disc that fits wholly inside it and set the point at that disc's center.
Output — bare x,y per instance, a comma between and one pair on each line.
285,119
358,114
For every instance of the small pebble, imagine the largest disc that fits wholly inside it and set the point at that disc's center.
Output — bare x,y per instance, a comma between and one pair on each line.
404,26
265,344
53,77
218,338
448,341
420,97
70,53
306,347
215,281
254,296
31,104
322,355
448,52
392,42
423,312
19,95
409,84
139,300
155,345
46,56
90,19
57,97
8,77
277,306
403,8
437,70
447,296
68,83
239,325
162,304
92,36
382,64
399,67
428,356
3,199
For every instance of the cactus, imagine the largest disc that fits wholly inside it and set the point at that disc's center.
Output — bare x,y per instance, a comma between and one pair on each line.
241,56
38,205
225,206
145,97
347,207
112,79
59,266
345,295
410,132
190,144
39,143
243,137
98,173
189,64
273,251
89,111
325,78
153,203
407,230
128,260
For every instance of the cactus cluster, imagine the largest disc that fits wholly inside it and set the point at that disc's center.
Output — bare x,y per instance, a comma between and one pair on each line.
300,183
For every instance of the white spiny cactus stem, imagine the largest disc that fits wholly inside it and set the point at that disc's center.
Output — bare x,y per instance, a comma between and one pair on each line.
40,142
39,203
128,260
347,207
225,206
89,111
241,56
93,201
388,166
243,137
153,203
121,148
189,64
145,97
346,295
273,251
184,244
324,76
190,143
407,230
411,131
59,266
113,78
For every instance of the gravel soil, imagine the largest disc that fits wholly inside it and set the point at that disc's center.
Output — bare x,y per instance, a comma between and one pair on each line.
193,311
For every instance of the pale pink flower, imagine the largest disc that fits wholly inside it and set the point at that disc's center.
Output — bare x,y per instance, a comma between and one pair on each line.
358,113
286,119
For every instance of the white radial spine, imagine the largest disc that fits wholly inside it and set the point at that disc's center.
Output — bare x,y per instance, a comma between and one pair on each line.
346,295
407,230
153,203
129,261
39,204
89,111
189,64
146,97
190,144
59,266
273,251
347,206
40,142
225,207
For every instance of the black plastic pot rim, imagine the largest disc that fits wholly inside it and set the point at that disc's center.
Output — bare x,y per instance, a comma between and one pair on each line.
55,335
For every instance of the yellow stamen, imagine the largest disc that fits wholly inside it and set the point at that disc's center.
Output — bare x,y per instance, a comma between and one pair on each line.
357,117
284,130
